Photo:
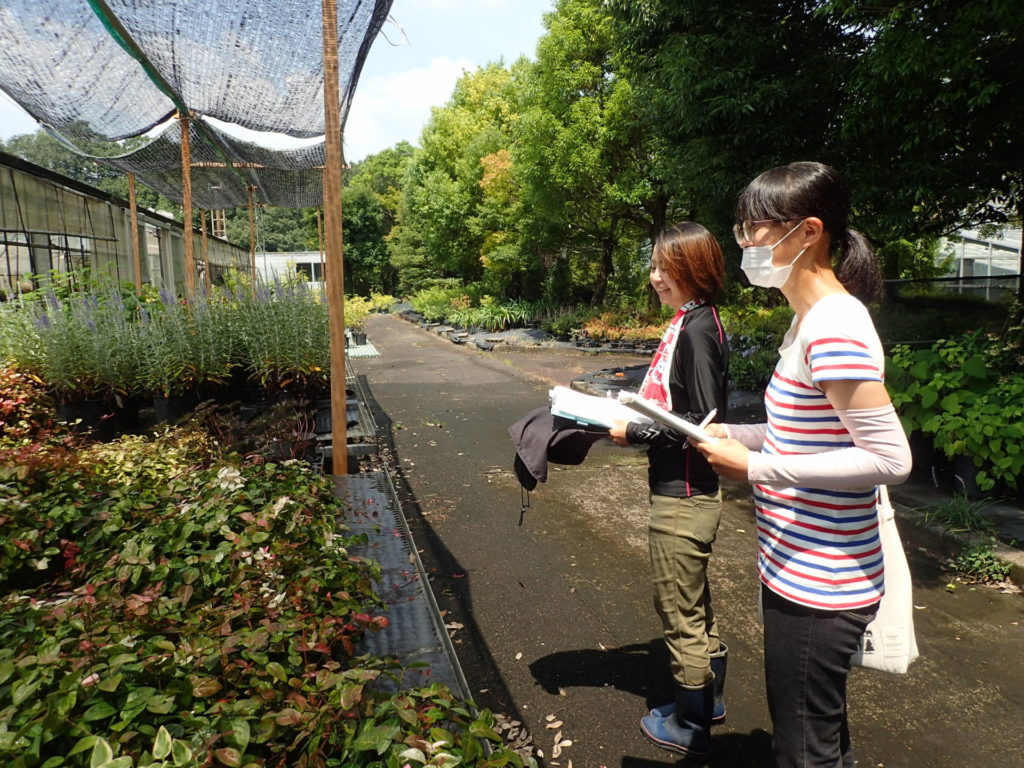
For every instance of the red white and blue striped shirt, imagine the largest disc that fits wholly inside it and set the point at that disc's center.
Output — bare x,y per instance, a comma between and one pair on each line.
818,547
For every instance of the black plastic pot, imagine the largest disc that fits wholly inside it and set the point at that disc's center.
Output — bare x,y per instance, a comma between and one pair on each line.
94,416
126,415
170,409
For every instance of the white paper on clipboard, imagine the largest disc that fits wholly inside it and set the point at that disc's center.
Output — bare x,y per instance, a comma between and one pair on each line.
669,419
589,409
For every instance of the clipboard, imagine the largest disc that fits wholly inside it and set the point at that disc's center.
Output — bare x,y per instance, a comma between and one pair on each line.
657,413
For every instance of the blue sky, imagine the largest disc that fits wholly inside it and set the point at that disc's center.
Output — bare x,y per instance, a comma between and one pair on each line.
401,82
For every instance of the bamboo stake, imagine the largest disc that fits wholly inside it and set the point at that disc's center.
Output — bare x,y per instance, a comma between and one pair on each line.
320,241
332,226
252,240
186,207
206,253
136,246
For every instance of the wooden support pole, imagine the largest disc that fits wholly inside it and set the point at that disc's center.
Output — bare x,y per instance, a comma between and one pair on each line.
206,254
252,240
333,239
136,246
186,206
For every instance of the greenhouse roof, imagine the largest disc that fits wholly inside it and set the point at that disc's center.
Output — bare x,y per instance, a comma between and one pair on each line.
98,72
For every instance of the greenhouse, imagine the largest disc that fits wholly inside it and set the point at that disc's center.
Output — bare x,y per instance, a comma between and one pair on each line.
51,223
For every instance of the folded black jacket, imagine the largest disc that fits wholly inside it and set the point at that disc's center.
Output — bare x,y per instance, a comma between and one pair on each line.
540,437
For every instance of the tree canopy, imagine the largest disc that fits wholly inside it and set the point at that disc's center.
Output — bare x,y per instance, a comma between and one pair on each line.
549,178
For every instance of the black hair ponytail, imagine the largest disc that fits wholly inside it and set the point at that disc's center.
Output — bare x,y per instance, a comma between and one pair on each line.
856,266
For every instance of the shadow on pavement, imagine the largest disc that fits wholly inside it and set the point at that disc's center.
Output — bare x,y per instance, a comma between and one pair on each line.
749,750
641,669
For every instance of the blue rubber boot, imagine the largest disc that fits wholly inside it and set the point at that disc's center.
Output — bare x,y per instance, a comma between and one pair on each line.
719,661
687,731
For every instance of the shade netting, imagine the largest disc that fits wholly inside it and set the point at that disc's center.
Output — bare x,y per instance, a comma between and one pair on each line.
94,72
286,178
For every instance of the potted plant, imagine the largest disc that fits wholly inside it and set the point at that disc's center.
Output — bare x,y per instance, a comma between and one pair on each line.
181,349
356,310
285,340
82,351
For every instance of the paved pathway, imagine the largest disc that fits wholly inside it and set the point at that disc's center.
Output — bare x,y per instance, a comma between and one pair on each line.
554,618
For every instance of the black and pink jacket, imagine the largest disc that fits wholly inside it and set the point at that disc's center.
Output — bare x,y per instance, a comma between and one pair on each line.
698,382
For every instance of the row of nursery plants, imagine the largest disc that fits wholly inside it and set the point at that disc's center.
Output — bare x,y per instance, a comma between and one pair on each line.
107,343
754,321
463,306
456,306
164,602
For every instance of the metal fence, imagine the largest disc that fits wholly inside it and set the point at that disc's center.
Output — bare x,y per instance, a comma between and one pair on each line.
991,287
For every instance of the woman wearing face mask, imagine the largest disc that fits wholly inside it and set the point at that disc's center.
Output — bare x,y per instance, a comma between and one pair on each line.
832,436
687,375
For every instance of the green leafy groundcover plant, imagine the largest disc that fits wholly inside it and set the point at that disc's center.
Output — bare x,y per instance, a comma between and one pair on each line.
193,609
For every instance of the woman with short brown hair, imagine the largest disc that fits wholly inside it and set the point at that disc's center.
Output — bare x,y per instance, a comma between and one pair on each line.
687,376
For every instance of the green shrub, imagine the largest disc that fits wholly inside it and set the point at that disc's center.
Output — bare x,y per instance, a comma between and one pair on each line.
755,334
954,393
381,302
435,303
981,563
25,407
357,309
569,319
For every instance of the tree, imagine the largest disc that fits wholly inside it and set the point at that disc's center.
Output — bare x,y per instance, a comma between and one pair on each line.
41,149
933,126
278,230
439,234
371,200
588,164
734,87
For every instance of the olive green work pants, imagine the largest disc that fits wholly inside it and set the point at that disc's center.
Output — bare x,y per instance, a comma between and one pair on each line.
680,535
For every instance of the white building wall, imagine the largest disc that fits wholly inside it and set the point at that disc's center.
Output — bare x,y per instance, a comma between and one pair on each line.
285,265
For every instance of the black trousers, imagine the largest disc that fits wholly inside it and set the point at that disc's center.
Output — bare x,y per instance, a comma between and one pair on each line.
807,656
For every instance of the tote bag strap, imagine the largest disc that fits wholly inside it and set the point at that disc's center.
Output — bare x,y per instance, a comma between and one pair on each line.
885,508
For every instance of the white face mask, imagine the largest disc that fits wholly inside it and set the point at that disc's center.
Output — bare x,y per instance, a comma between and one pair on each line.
757,264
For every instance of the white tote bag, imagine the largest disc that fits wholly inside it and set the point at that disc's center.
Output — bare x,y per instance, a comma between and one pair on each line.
888,643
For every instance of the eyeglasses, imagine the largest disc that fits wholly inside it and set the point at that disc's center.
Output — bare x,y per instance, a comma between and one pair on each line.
745,230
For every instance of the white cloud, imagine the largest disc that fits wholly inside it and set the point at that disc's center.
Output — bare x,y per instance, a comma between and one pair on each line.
389,108
13,119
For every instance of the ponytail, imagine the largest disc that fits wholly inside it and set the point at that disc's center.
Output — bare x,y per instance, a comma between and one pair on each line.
857,268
